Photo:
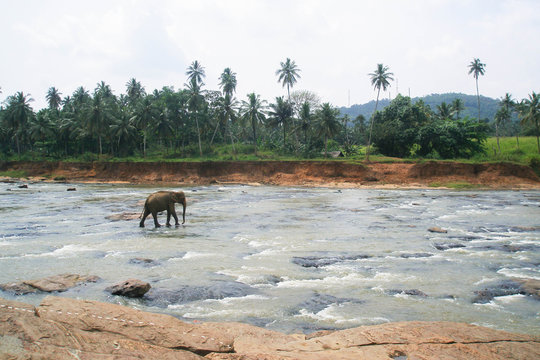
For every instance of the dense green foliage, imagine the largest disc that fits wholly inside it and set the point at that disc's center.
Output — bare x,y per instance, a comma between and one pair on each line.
196,123
403,128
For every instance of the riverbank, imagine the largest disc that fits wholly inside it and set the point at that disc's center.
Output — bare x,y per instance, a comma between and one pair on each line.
288,173
64,328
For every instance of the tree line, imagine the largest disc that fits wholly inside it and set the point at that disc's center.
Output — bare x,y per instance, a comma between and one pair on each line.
194,121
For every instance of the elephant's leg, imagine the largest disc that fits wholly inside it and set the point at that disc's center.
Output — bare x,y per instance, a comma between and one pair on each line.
146,213
172,212
168,218
154,215
175,218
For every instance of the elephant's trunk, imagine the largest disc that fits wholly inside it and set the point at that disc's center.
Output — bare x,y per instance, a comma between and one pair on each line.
184,204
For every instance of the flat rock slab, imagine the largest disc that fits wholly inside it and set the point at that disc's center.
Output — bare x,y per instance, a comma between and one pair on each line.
53,283
62,327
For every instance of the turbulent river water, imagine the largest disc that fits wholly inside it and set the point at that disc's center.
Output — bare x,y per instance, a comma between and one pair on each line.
288,259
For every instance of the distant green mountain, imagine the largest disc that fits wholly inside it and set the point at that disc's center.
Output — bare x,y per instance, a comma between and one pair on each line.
488,106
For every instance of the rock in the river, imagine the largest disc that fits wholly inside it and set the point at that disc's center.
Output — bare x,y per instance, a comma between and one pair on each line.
530,287
447,246
144,261
124,216
18,288
72,189
499,288
325,260
437,229
133,288
58,283
61,327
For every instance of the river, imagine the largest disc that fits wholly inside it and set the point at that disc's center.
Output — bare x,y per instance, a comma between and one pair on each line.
285,258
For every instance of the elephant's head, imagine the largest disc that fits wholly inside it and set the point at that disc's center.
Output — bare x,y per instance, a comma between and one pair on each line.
179,197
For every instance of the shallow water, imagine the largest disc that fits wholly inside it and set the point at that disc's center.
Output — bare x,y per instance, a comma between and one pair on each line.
288,259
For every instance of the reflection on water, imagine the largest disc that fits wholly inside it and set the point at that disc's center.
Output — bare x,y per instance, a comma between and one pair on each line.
289,259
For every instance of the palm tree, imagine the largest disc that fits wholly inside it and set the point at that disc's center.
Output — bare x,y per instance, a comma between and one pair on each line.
226,114
305,118
144,116
288,74
195,73
135,91
253,112
510,105
41,126
444,111
530,113
103,90
280,114
53,98
227,82
477,68
328,124
380,78
98,114
123,128
163,125
18,114
457,107
501,116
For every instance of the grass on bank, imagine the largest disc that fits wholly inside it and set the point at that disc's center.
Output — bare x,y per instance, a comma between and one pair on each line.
526,154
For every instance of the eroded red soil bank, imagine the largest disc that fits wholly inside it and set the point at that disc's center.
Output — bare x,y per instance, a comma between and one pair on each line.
305,173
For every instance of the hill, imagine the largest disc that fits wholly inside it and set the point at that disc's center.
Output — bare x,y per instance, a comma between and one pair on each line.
488,106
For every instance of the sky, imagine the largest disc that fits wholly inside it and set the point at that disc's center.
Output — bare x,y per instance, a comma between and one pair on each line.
427,44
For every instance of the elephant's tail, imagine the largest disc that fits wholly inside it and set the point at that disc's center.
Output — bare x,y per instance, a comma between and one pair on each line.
144,208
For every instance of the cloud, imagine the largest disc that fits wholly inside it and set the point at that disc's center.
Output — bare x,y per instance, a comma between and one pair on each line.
427,44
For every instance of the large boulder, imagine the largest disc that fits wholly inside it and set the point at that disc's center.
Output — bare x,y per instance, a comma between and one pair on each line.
133,288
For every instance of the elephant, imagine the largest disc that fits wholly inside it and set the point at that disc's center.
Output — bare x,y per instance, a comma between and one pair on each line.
161,201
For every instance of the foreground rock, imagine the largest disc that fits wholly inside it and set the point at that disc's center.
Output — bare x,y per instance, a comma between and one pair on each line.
53,283
63,328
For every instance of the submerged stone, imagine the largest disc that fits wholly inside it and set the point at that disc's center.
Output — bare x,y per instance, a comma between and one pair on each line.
320,261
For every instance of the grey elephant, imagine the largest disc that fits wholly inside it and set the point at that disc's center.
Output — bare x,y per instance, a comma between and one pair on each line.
161,201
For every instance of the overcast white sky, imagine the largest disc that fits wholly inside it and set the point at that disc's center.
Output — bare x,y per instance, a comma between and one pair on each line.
427,44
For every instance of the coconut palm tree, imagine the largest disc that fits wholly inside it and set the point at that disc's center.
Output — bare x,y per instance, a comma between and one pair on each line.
144,117
194,102
196,74
477,68
253,112
510,106
288,74
327,124
227,82
305,118
530,113
380,78
457,107
98,116
53,98
135,91
280,114
444,111
18,114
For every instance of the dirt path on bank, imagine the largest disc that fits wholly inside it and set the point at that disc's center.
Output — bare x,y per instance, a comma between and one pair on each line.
290,173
